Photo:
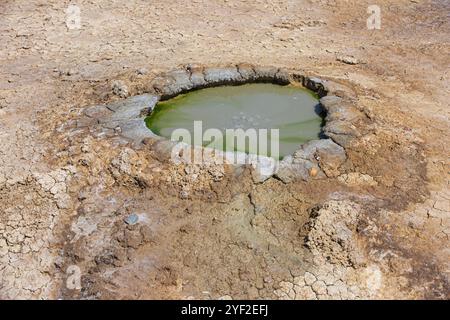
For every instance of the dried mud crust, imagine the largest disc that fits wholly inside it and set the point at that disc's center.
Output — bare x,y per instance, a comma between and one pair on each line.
202,246
214,231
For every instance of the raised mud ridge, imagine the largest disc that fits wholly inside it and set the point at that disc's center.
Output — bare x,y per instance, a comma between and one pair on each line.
314,160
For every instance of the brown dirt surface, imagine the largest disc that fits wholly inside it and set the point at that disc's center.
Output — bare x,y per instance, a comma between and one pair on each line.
377,228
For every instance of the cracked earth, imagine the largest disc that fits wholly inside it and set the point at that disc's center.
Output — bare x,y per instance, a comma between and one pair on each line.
376,225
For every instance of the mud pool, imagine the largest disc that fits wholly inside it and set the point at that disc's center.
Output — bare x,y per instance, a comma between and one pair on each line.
293,110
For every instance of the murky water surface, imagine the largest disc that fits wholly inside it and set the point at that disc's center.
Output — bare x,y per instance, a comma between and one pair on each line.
294,111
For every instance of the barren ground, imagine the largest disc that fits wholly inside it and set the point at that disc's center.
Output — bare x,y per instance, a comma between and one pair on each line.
65,190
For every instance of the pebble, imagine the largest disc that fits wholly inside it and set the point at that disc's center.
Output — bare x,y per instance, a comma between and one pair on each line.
132,219
348,60
120,89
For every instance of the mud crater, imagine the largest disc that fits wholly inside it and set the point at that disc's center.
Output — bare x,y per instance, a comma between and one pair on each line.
318,215
315,159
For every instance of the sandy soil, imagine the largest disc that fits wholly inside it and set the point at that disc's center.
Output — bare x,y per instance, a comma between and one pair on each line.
65,190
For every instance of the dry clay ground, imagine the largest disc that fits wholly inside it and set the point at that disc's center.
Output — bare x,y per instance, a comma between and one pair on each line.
379,230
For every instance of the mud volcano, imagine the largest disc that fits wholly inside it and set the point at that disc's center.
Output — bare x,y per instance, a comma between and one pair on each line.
242,97
294,111
303,220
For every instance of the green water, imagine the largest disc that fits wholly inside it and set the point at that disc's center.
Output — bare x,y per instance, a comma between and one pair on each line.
292,110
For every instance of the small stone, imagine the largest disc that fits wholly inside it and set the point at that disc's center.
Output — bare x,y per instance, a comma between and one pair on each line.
120,89
67,72
348,60
132,219
313,172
